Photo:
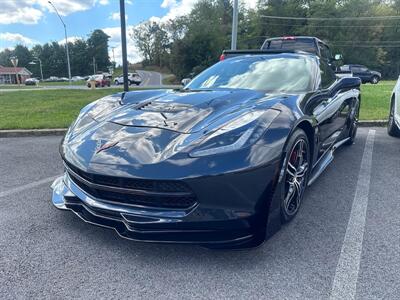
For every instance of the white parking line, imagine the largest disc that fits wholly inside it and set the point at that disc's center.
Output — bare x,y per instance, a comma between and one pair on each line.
27,186
346,275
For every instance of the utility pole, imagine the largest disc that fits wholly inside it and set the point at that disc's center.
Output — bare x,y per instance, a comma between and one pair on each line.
14,61
234,25
123,45
66,41
94,65
40,65
112,48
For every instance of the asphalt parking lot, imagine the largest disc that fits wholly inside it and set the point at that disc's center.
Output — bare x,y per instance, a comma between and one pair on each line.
332,243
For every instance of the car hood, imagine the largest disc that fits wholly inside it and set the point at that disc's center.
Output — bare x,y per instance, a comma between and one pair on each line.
151,126
184,111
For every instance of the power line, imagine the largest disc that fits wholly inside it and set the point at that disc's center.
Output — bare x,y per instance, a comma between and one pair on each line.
332,26
366,46
383,18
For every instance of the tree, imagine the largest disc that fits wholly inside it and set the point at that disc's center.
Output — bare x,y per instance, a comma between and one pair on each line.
152,41
98,48
5,58
23,54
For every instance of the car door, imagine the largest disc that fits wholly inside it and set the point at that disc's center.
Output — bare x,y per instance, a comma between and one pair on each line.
331,108
361,72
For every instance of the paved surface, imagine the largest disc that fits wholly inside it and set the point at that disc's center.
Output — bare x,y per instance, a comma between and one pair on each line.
46,253
149,79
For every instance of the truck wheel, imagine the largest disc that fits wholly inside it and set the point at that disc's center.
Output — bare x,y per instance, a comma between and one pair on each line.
375,80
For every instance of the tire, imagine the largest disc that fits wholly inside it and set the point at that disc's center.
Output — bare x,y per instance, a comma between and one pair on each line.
296,173
108,84
353,125
392,128
116,82
375,80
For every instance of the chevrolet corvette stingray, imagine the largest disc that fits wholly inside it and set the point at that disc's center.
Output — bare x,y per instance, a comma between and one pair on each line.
222,162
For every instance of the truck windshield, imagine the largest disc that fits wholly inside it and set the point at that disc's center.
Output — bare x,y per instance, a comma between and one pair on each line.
269,73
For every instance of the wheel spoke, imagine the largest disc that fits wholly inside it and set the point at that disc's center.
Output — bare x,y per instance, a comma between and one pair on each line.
291,169
300,154
289,196
303,170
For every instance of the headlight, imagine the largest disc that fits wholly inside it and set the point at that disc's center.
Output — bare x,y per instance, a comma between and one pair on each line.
241,132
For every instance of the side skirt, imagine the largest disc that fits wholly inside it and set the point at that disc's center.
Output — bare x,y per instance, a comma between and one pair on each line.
324,161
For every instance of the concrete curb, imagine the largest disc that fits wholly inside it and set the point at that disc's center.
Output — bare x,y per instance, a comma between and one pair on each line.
62,131
373,123
31,132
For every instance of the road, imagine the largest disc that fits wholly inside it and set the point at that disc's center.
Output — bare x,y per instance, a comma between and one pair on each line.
149,79
345,239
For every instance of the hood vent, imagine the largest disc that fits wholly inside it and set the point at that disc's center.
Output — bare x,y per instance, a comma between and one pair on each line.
163,107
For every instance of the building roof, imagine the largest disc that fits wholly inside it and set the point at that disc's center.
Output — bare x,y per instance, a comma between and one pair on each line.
13,71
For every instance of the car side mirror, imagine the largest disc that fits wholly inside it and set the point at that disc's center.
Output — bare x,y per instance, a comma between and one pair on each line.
338,56
185,81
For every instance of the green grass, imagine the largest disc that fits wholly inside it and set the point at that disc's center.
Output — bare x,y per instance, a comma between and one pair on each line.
80,82
58,108
15,86
375,100
45,108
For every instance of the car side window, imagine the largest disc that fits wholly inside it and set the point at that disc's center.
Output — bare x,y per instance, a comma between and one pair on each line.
325,52
328,77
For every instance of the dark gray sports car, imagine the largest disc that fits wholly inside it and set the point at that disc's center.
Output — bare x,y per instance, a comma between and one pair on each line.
222,162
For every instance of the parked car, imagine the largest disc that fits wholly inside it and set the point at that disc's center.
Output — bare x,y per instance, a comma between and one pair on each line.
133,78
363,73
52,79
222,162
77,78
100,79
31,81
302,43
394,115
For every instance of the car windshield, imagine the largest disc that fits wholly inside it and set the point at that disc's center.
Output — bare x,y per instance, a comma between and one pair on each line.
269,73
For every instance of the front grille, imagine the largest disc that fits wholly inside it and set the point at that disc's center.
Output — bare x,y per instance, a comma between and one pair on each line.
141,192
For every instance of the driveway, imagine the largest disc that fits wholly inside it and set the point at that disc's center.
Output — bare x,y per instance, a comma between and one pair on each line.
344,242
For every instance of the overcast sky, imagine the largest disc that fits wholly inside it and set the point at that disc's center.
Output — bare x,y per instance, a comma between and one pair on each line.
29,22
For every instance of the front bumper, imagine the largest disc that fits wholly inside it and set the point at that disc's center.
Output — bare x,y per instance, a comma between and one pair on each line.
234,220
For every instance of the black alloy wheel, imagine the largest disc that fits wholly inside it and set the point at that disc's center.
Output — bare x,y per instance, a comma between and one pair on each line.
353,123
297,169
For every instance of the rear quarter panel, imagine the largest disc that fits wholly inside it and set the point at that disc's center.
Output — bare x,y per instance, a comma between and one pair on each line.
396,93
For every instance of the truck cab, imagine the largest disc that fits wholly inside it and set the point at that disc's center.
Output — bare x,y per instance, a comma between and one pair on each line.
301,43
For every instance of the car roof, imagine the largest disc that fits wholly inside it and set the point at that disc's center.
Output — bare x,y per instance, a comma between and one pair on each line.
298,37
278,54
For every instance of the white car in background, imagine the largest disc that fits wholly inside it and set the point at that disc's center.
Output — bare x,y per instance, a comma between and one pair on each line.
394,116
133,78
